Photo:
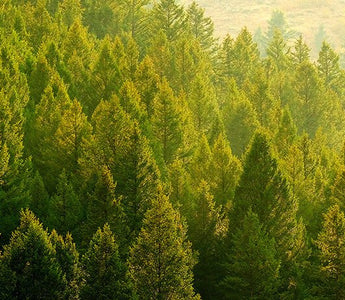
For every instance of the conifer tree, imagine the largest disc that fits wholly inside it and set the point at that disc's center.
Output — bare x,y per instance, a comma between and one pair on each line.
277,50
68,258
286,133
102,17
201,27
147,82
161,260
330,243
30,261
166,122
39,197
264,190
135,18
161,55
225,170
169,17
240,121
200,166
328,67
70,135
139,185
246,57
103,206
113,130
105,74
65,210
105,274
252,267
70,10
300,52
203,105
207,227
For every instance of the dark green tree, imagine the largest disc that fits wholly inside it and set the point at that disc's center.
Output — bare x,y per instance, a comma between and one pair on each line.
330,243
105,274
65,211
252,267
168,16
161,260
30,263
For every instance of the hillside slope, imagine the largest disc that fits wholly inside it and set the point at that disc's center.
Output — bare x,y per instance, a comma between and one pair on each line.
305,17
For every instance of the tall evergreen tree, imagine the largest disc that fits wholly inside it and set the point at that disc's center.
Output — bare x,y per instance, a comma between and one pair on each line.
330,243
166,121
225,171
264,190
161,260
29,261
207,227
105,274
65,210
252,268
168,16
201,27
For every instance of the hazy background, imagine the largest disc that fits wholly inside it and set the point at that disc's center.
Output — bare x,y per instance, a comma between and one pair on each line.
317,20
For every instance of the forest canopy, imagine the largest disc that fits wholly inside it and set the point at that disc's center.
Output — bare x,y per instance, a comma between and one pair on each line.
143,158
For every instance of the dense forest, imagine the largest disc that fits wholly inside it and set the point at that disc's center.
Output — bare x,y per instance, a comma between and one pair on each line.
142,158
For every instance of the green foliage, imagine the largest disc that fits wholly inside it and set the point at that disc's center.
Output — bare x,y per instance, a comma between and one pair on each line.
105,104
166,121
29,261
330,243
105,274
161,258
252,268
65,210
169,17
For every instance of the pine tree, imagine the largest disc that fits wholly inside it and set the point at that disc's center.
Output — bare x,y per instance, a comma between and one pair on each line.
203,105
300,52
65,210
39,197
286,133
147,82
264,190
102,17
166,122
252,268
161,260
169,17
200,165
30,261
104,272
277,50
207,227
308,107
245,57
201,27
106,75
113,131
70,10
135,17
71,133
68,258
103,207
138,182
330,243
328,67
240,121
225,171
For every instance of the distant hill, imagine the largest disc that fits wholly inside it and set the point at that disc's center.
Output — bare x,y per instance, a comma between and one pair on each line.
325,18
